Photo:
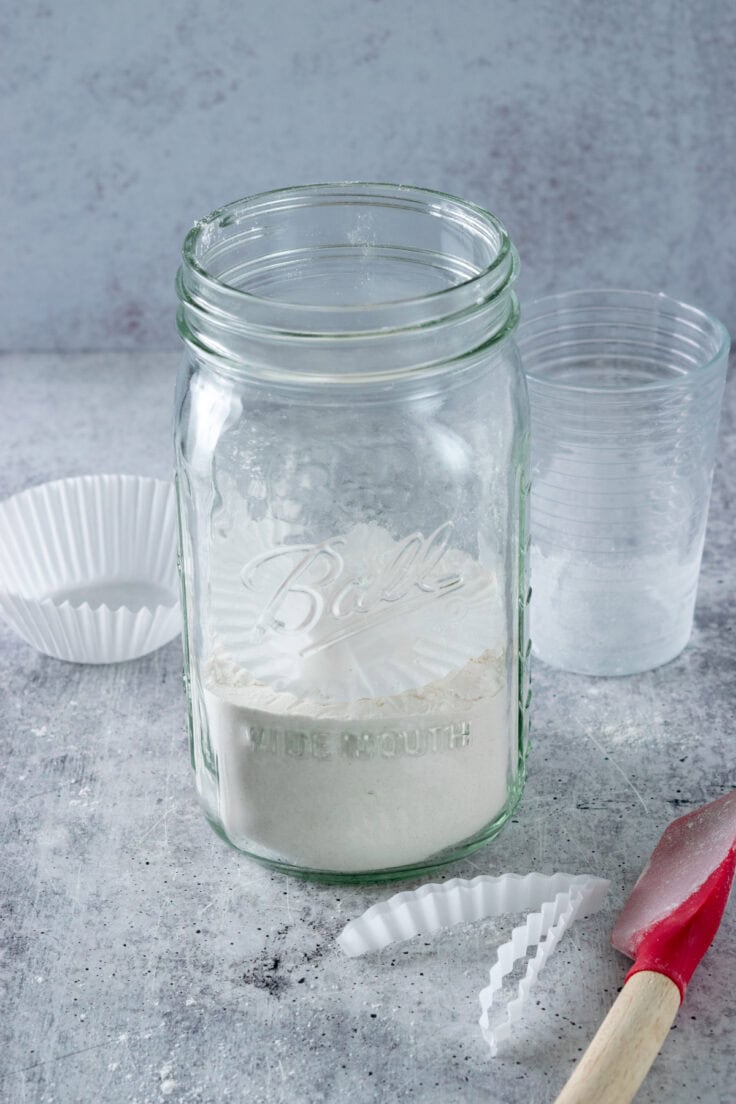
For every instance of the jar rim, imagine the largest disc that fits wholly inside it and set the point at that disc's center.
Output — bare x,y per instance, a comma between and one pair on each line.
494,276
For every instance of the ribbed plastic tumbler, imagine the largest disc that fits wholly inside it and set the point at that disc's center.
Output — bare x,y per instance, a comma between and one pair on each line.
625,390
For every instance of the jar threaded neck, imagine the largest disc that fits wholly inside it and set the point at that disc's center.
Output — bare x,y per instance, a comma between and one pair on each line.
344,281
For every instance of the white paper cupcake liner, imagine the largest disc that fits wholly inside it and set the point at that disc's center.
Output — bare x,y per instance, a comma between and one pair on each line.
557,900
88,567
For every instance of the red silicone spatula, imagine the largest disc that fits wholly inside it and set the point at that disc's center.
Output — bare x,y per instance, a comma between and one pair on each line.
666,926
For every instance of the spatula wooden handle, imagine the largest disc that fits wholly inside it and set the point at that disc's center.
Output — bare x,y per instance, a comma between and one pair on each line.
627,1042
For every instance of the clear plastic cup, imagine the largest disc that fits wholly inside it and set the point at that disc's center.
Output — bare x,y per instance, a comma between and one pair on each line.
625,390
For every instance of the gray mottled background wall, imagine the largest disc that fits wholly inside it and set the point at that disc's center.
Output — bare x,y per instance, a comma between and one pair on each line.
602,133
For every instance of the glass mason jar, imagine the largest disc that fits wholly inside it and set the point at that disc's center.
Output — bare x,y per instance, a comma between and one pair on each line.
352,477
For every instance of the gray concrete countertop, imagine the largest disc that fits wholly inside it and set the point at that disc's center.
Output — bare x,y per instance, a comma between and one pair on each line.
144,961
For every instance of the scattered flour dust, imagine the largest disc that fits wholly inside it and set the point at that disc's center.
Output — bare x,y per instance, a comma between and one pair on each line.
363,785
167,1082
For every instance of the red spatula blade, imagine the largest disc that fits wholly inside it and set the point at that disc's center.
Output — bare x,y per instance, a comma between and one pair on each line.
674,910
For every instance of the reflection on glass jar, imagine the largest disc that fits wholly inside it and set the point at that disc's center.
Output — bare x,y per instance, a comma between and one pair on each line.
352,473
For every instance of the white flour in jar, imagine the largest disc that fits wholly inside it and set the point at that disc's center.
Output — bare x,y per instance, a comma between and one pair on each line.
360,785
362,781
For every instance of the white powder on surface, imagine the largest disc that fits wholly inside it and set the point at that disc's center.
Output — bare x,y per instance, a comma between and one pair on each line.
356,697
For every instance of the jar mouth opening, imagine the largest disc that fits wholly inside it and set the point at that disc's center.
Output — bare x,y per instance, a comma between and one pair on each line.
380,256
600,341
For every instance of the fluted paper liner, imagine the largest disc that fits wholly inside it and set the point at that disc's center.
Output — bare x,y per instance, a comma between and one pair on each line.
552,901
88,567
247,568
